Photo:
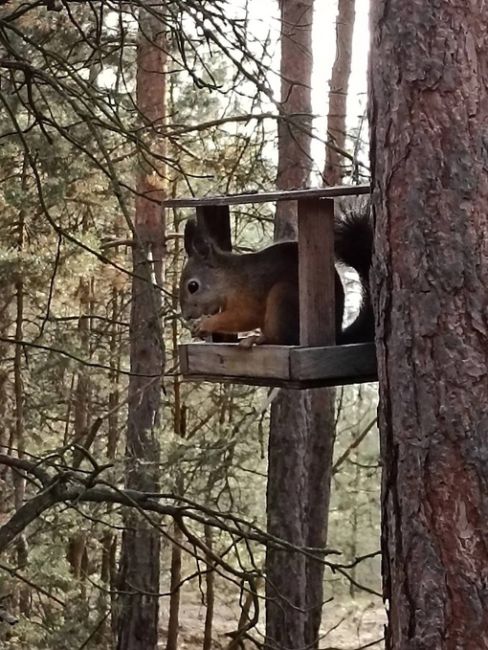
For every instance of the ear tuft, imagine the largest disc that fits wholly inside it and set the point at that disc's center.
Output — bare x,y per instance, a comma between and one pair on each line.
190,232
197,242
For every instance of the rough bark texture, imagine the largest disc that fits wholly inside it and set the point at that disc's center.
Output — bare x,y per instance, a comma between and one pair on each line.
300,456
209,592
76,552
139,564
302,422
175,588
339,82
429,111
294,129
19,480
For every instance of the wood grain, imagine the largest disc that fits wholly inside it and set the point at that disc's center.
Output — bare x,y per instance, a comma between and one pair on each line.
355,363
276,365
222,359
316,271
268,197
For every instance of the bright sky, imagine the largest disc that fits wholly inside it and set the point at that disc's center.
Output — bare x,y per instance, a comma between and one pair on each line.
324,45
264,17
324,54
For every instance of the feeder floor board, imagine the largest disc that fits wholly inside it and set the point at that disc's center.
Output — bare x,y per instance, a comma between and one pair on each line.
279,365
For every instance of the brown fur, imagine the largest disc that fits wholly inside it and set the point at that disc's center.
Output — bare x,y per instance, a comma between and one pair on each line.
231,293
240,313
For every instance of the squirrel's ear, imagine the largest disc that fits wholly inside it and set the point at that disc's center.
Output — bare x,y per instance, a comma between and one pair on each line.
190,232
196,243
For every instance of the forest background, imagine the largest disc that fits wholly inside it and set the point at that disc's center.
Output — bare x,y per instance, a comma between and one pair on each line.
75,138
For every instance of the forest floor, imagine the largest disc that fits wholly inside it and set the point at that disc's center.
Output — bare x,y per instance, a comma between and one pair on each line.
346,626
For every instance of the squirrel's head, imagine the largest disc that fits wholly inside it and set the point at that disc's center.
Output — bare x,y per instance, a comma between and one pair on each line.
203,284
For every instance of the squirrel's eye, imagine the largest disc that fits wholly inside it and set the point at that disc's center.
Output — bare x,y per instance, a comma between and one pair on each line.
193,286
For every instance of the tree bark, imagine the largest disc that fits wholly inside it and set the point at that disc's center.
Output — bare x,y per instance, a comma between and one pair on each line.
180,430
429,110
109,539
209,591
18,479
339,83
139,563
175,589
295,125
76,546
302,422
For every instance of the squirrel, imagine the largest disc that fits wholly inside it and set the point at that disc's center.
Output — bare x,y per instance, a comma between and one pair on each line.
225,292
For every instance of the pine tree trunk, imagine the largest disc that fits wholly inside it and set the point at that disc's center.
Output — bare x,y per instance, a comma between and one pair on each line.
180,430
209,592
18,479
339,83
429,110
76,547
175,589
295,125
109,539
354,547
321,437
139,563
302,422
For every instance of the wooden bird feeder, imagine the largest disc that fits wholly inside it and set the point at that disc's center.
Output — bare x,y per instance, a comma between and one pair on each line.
317,361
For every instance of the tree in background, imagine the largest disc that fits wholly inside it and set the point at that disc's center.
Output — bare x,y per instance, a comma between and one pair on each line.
302,422
140,552
339,82
428,109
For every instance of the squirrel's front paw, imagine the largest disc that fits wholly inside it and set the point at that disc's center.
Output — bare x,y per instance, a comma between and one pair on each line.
198,329
250,341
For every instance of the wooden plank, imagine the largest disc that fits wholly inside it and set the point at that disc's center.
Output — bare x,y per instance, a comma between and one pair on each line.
338,363
228,359
270,382
316,271
183,357
279,383
274,365
267,197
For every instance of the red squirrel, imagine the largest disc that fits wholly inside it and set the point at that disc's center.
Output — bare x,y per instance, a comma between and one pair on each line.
228,292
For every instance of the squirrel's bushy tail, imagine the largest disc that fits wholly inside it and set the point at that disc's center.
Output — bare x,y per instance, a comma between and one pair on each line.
354,247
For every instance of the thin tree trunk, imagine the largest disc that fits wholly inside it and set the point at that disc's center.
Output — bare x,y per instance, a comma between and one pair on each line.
339,83
354,524
109,540
77,543
18,479
180,430
4,434
295,125
209,592
175,588
139,563
429,110
302,422
244,617
114,394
